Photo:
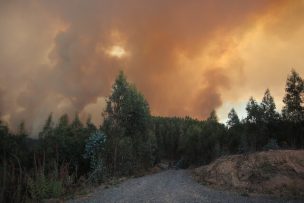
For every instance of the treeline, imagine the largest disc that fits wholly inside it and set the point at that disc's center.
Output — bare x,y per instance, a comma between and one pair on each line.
69,154
198,142
188,140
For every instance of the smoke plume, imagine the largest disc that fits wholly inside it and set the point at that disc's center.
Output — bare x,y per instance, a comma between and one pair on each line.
185,56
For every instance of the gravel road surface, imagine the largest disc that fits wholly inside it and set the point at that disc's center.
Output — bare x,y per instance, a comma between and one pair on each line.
169,186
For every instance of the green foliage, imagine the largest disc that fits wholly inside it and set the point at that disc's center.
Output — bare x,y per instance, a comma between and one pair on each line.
126,122
293,110
14,160
47,128
94,147
268,108
94,152
254,113
213,117
65,142
233,119
42,187
188,140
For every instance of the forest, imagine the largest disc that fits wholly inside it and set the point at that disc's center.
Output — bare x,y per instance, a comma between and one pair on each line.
69,153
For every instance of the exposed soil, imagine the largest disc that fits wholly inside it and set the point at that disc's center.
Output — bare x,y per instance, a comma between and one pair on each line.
279,173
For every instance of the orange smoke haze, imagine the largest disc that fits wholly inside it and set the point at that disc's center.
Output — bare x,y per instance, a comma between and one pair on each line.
187,57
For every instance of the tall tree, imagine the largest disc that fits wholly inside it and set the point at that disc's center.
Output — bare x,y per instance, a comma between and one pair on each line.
254,125
268,108
213,117
90,125
22,131
253,111
76,124
293,109
63,121
48,126
126,121
233,118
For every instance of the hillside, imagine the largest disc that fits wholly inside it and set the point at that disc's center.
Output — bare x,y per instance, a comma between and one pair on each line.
279,173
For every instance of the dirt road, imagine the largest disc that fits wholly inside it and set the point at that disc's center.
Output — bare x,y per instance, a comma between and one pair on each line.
169,186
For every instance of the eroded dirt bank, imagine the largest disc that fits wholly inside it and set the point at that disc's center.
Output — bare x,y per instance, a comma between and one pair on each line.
279,173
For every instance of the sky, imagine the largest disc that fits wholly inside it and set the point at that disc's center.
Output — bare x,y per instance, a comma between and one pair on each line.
186,57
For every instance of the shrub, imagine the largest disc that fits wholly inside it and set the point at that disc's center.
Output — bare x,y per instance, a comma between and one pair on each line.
94,150
271,145
41,187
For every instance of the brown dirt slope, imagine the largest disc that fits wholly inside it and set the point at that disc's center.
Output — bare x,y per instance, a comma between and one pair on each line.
280,173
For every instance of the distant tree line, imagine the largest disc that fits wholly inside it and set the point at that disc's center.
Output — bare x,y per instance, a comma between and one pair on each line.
69,154
199,142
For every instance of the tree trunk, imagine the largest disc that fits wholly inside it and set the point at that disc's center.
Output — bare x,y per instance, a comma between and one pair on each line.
115,158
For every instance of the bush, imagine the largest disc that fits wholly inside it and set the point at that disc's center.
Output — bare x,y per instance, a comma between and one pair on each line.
42,187
94,150
271,145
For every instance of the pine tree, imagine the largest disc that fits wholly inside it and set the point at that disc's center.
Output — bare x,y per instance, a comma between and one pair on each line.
76,124
90,125
48,126
213,117
3,128
63,121
253,111
22,131
293,109
233,118
63,127
268,108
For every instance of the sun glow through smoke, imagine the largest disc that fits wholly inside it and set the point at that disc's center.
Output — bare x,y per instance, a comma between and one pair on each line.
117,51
